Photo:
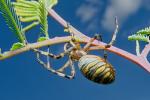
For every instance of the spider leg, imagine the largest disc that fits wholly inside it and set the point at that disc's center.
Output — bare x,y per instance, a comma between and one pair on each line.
104,51
114,34
70,64
67,46
52,55
41,62
68,29
87,46
48,60
64,67
58,72
72,69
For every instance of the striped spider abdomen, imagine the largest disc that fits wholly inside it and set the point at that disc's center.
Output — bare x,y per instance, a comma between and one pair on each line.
96,69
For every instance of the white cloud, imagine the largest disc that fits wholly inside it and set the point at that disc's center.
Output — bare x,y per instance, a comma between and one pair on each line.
93,25
120,8
88,13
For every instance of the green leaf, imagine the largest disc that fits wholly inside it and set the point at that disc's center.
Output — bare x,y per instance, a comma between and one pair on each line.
139,37
12,19
43,18
145,31
16,46
40,39
27,10
33,11
1,52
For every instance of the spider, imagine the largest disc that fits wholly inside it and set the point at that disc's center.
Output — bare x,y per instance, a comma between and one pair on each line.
93,67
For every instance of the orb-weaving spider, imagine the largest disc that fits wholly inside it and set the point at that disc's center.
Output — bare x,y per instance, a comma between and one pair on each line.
93,67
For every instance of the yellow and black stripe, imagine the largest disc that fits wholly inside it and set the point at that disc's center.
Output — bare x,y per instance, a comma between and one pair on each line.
97,69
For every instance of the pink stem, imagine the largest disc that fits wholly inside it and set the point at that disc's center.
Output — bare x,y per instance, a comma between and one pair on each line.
142,61
146,50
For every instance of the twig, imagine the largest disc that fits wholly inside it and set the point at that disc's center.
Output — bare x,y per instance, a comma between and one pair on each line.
142,61
32,46
98,45
146,50
137,48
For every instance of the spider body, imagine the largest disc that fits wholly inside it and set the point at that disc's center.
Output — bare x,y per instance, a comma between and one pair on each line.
93,67
96,69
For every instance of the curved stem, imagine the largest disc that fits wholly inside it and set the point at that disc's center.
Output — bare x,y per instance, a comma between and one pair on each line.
99,45
146,50
140,60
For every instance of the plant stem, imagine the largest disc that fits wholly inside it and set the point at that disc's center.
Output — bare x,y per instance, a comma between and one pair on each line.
140,60
137,48
146,50
98,45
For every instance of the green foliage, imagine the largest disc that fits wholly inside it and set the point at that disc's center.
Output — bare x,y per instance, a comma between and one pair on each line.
141,35
42,39
1,53
145,31
16,46
43,17
11,19
27,10
30,11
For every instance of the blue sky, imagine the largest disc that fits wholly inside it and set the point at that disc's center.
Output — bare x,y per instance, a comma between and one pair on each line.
22,78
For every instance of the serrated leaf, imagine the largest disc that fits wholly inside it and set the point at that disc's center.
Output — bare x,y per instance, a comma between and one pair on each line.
27,9
43,17
145,31
31,11
11,19
16,46
139,37
40,39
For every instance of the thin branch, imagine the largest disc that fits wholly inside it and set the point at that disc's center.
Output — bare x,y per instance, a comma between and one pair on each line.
137,48
64,23
142,61
146,50
32,46
97,44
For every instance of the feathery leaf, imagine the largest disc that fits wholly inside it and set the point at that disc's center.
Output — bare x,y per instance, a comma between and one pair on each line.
33,11
139,37
11,19
145,31
43,17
